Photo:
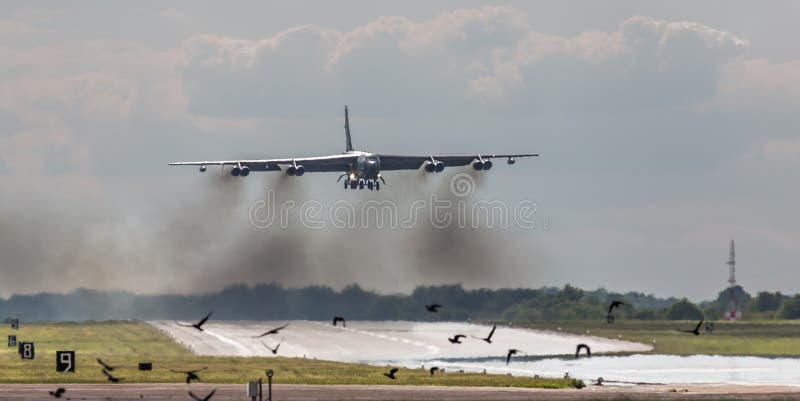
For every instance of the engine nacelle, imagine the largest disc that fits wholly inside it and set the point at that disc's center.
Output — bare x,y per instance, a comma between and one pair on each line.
511,160
300,171
477,165
203,168
291,170
236,171
244,172
487,164
434,167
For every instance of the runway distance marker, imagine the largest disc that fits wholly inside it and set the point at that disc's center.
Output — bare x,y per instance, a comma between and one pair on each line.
27,350
65,361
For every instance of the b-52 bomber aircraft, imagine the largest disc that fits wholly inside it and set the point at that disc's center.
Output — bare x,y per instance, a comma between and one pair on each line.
359,169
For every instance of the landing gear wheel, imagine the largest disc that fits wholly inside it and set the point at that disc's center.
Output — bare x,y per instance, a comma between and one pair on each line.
346,184
353,185
361,184
377,186
370,185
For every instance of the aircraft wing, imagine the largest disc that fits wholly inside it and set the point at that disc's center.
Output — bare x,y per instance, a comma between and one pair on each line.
399,162
338,163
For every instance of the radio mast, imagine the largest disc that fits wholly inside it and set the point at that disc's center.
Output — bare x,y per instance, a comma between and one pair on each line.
733,312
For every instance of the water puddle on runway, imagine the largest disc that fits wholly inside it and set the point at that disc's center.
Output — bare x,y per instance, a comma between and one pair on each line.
638,369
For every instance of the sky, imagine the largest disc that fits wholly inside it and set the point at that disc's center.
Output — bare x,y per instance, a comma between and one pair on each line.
665,130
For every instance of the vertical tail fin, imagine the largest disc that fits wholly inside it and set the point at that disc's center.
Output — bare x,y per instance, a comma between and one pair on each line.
349,144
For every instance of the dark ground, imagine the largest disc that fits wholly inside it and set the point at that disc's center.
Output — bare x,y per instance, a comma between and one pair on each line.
388,392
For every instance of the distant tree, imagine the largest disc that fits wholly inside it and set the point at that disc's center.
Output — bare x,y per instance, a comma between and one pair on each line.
767,301
683,310
790,308
570,293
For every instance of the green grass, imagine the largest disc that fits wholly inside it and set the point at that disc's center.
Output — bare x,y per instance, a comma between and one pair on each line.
125,344
774,338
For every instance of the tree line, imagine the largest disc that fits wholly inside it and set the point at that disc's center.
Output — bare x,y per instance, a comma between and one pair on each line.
275,302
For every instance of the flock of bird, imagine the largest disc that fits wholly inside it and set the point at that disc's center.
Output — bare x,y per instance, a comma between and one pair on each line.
191,375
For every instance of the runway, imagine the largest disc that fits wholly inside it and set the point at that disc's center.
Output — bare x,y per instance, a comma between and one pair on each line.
387,392
380,342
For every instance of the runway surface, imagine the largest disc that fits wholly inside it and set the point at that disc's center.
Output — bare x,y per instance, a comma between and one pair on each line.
380,342
384,393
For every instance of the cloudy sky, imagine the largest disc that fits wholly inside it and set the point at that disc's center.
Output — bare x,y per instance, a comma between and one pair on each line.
666,130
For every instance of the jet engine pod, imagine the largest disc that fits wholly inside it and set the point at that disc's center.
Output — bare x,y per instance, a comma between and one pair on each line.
245,171
291,170
300,170
477,165
236,171
487,164
511,160
203,168
439,167
430,167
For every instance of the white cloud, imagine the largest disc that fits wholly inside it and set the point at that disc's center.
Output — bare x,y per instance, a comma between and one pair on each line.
465,56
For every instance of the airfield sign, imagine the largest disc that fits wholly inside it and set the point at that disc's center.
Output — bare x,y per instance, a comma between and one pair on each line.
12,341
26,350
65,361
15,324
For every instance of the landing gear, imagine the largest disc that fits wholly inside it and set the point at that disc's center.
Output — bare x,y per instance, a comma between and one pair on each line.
372,184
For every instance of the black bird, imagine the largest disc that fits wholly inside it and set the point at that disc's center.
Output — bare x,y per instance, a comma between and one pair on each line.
582,346
434,369
433,308
456,338
112,379
58,393
190,374
273,331
511,352
615,304
198,325
489,338
105,365
696,330
391,373
275,350
208,397
337,319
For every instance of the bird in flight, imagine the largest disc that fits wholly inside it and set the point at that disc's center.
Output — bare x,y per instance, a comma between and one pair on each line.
273,331
615,304
511,352
190,374
580,347
456,338
105,365
111,378
337,319
206,398
433,308
58,393
433,370
274,350
198,325
488,339
696,330
391,373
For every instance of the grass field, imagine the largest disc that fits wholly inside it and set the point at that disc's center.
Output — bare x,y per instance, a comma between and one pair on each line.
779,338
125,344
